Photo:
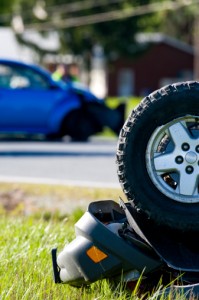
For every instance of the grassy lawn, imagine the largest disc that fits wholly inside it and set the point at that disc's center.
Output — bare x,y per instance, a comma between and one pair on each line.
26,271
27,237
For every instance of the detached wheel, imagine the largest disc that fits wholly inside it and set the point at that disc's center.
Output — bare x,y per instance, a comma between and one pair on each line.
158,156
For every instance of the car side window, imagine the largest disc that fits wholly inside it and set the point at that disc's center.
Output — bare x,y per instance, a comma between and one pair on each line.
5,76
19,77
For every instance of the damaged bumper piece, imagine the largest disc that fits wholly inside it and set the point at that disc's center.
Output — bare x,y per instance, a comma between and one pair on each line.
104,246
114,241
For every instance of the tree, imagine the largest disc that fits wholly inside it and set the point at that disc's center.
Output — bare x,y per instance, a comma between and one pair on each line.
78,39
116,34
179,23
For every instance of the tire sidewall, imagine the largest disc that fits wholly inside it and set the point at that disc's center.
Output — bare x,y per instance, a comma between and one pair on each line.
141,189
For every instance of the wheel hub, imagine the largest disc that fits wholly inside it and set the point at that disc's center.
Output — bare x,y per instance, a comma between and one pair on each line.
172,159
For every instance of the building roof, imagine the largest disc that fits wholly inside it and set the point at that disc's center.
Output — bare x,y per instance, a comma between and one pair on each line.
157,38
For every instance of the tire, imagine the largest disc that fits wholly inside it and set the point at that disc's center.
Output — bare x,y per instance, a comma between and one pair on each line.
158,156
79,125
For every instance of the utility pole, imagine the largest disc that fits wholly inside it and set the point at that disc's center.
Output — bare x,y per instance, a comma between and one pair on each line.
196,47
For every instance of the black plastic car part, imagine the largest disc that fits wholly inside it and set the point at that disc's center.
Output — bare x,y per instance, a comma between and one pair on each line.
114,241
105,246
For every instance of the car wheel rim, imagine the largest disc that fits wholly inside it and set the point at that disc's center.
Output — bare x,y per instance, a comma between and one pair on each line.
172,159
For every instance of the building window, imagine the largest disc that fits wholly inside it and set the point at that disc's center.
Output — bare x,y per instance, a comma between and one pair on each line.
125,82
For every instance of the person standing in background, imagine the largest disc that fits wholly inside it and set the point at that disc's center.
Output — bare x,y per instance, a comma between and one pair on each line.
73,72
67,73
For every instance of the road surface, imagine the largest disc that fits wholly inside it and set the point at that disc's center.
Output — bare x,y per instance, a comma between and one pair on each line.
82,164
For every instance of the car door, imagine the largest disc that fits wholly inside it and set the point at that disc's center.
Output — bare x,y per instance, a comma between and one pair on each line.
26,99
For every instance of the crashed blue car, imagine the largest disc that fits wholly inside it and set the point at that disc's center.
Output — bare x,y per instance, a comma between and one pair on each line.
31,102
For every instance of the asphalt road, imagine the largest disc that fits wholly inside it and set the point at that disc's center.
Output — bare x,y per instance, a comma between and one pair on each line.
63,162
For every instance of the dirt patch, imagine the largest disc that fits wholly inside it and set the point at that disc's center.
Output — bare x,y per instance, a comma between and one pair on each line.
27,199
18,200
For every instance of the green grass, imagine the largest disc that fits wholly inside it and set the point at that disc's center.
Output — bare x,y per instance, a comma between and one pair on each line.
27,240
26,271
27,237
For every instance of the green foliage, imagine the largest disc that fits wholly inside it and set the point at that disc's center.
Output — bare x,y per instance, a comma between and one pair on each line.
81,39
117,36
6,6
179,24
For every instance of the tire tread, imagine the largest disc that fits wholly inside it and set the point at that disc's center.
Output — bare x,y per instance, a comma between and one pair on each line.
134,117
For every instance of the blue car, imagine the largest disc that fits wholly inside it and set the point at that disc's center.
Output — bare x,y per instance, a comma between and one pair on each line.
31,102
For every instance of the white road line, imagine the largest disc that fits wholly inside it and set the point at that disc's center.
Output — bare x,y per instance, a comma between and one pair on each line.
47,181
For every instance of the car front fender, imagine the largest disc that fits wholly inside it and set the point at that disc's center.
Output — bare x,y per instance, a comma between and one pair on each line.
62,110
